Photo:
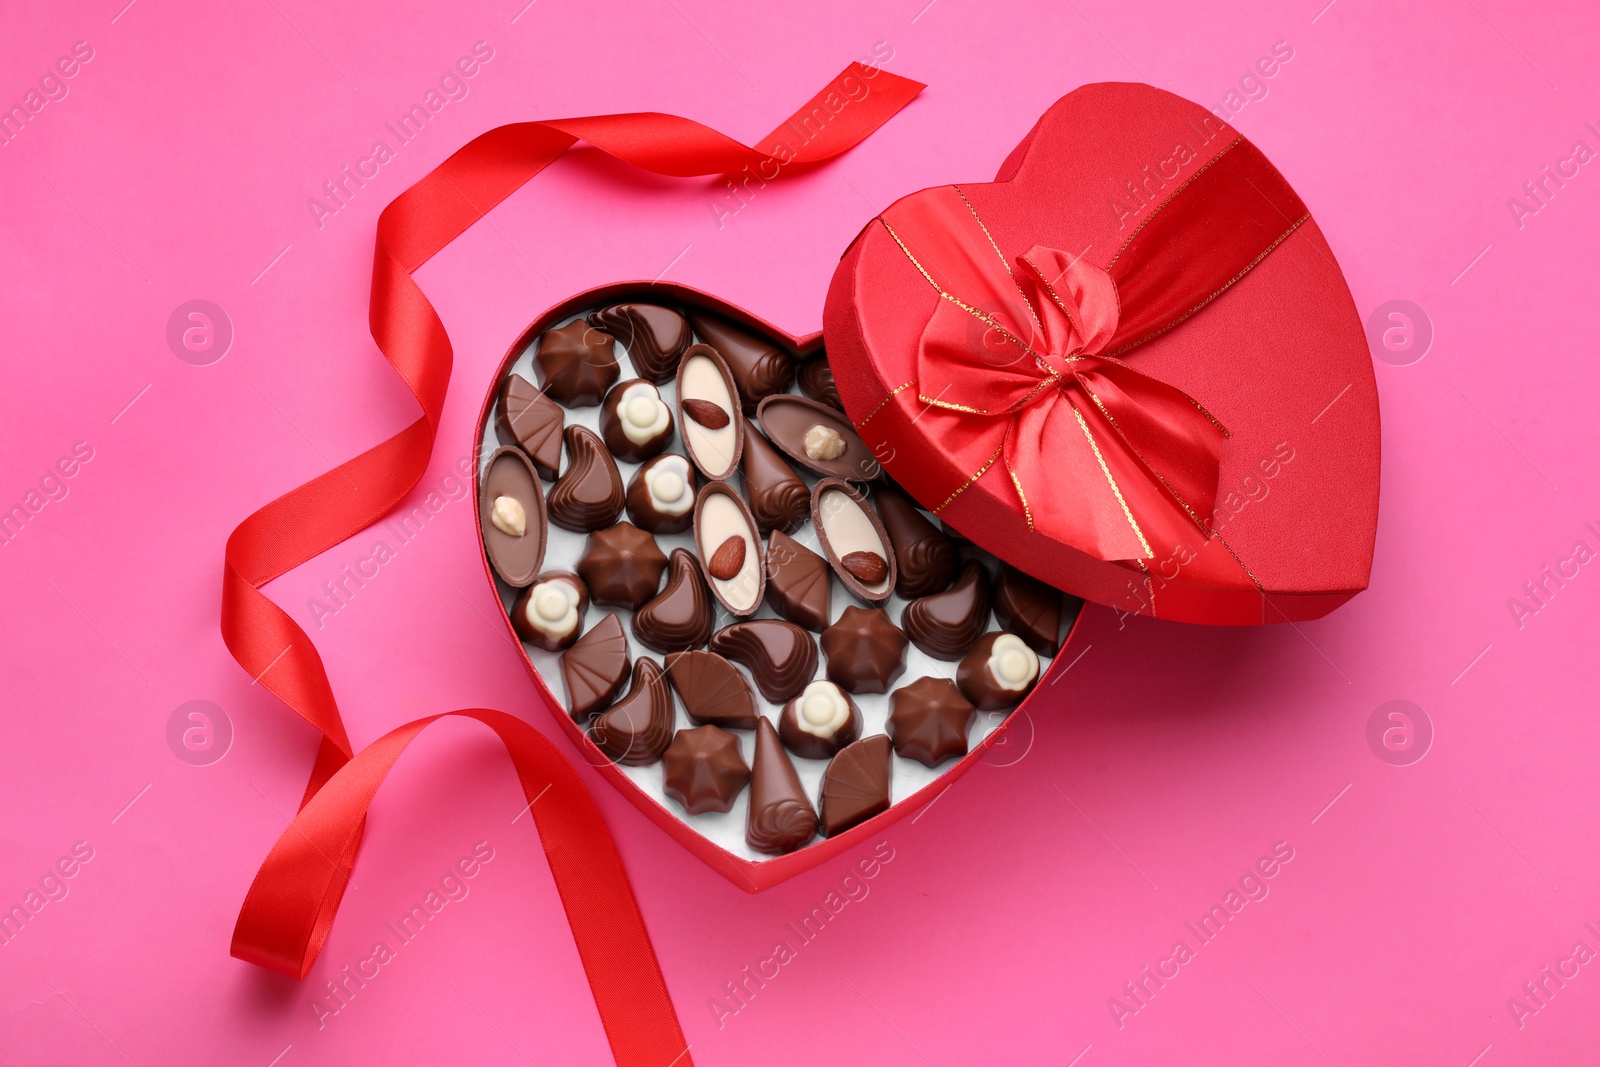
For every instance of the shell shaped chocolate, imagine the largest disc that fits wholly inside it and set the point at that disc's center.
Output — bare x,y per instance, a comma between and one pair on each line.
713,691
589,494
595,668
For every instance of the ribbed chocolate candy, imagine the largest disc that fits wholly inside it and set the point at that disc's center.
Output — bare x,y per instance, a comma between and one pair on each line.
855,787
680,617
595,668
780,656
588,495
637,729
781,818
945,625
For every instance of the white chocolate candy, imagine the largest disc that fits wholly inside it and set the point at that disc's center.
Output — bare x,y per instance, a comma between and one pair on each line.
720,519
642,414
701,379
823,709
823,443
509,516
553,608
848,528
1012,664
669,484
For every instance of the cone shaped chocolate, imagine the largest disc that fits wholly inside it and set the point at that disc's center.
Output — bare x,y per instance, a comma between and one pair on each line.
778,498
781,818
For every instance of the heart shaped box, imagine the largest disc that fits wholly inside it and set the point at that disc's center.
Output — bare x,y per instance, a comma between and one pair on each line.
1280,359
750,875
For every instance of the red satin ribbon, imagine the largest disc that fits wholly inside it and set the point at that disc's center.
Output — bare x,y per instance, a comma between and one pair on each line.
290,908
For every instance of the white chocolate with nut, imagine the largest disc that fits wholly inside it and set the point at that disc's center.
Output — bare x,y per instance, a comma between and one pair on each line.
847,528
701,379
823,443
720,519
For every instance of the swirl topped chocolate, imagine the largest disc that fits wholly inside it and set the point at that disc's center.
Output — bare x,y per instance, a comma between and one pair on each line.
760,366
816,381
588,495
780,818
926,559
778,498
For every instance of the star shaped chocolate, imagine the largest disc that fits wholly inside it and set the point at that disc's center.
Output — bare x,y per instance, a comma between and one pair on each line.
622,565
704,769
866,652
929,720
576,364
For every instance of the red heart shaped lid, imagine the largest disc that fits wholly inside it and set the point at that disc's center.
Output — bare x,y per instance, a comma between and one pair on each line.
1130,366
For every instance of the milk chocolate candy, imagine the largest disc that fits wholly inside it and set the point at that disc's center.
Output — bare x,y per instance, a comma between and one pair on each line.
655,337
781,818
575,364
730,548
818,438
760,367
708,412
595,668
865,651
925,559
929,720
549,613
712,689
622,566
779,655
855,787
681,616
945,625
853,540
531,421
816,381
799,586
634,421
511,517
820,721
704,770
778,498
660,496
637,729
1030,609
998,672
588,495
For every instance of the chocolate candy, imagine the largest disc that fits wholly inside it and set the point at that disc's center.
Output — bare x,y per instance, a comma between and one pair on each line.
531,421
855,787
735,572
655,337
1030,609
576,364
816,381
704,770
853,540
681,617
798,584
817,437
595,668
634,421
511,517
945,625
866,652
660,495
778,498
638,728
925,559
549,613
781,818
779,655
622,566
820,721
713,431
998,672
760,367
712,689
929,720
589,494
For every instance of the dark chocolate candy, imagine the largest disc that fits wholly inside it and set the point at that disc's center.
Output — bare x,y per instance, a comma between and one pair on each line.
1030,609
760,366
511,516
588,495
925,558
704,770
712,689
799,586
820,721
781,818
575,364
637,729
622,566
779,655
595,668
635,422
778,498
720,514
855,787
655,337
817,437
531,421
866,652
929,720
549,613
816,381
708,412
853,540
998,672
945,625
660,495
681,616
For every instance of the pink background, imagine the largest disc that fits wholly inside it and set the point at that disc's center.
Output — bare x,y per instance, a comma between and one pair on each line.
1419,898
